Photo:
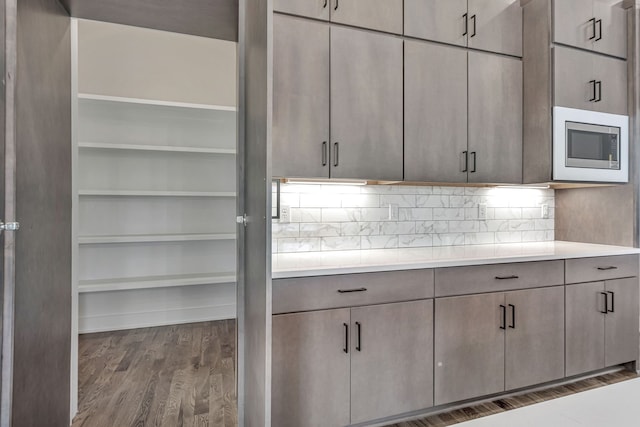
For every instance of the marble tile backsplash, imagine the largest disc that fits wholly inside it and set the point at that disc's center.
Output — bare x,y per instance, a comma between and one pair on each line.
345,217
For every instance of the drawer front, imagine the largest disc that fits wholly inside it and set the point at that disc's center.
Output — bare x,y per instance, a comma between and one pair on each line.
582,270
348,290
497,277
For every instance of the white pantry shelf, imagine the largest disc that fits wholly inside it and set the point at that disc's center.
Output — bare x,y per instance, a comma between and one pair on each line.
94,97
148,238
168,148
153,193
150,282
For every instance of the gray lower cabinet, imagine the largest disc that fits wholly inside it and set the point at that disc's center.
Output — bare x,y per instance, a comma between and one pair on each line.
534,337
601,324
379,15
496,26
300,98
468,347
338,367
311,369
366,105
589,82
435,112
391,359
495,119
318,9
443,21
488,343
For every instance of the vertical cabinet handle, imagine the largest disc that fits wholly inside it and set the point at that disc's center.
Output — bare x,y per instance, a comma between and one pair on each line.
613,303
336,153
464,159
595,92
346,338
503,315
473,155
324,6
599,22
473,18
359,343
513,316
599,85
466,24
324,153
593,27
337,5
606,303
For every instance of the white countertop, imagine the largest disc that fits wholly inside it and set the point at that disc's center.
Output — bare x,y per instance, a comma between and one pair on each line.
365,261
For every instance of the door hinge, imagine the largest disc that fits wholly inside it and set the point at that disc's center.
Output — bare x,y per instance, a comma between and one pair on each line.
242,219
9,226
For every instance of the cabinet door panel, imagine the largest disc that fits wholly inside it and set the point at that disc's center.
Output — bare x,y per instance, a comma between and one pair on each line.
614,28
366,105
310,378
584,328
571,23
318,9
621,331
438,20
612,73
300,97
495,118
392,373
435,113
496,26
535,337
469,347
380,15
573,73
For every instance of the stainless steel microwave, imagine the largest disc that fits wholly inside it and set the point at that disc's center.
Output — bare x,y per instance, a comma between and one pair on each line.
590,146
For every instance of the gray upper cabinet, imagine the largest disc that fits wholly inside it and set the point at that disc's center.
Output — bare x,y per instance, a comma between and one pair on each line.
599,25
311,369
391,359
438,20
589,82
318,9
300,98
495,118
380,15
366,105
621,321
491,25
435,112
534,337
496,26
469,347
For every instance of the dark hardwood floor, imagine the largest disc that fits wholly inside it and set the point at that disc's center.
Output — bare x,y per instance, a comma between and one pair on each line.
182,375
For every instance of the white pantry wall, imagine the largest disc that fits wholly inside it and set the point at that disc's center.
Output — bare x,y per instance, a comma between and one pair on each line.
349,217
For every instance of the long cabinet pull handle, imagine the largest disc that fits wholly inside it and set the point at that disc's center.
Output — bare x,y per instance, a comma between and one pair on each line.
325,4
507,277
473,155
336,8
473,18
336,153
346,338
359,344
503,312
465,161
466,24
599,22
606,303
593,84
324,153
513,316
599,84
593,27
348,291
611,267
613,302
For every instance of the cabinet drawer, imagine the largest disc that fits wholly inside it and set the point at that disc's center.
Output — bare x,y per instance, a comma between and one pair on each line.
348,290
582,270
497,277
